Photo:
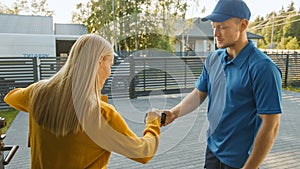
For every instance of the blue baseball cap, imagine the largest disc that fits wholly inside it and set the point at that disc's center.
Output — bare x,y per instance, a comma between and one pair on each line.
226,9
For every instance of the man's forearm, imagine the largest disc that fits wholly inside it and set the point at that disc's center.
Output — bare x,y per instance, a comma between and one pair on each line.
189,103
263,142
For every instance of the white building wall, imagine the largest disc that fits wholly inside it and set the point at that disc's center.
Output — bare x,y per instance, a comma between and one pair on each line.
199,45
27,45
25,24
177,46
34,36
70,29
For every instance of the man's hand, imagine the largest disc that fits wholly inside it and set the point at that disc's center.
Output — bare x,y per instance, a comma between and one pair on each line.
170,117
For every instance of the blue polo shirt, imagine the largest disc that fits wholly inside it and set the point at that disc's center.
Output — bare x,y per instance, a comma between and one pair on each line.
238,90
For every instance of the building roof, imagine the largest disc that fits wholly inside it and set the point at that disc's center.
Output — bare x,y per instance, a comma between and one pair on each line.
195,30
254,36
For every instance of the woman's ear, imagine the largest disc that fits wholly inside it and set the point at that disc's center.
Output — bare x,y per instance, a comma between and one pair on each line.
100,61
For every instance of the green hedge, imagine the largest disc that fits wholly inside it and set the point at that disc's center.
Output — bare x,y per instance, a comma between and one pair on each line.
9,116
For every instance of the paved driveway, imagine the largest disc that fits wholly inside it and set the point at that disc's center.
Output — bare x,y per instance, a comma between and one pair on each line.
182,143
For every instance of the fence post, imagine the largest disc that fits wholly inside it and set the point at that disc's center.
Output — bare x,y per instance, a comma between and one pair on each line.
166,73
35,69
132,93
286,70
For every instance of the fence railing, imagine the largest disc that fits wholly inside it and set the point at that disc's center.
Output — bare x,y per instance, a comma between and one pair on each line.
290,68
16,72
141,76
132,78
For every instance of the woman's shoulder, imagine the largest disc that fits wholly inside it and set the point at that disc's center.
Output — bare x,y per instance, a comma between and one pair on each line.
107,108
110,113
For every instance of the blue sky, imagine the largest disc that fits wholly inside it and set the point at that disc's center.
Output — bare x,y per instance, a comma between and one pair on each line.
63,8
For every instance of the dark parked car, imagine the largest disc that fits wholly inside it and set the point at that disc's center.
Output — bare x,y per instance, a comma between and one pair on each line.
117,59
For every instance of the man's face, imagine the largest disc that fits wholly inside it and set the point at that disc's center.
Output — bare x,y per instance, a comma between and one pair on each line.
227,33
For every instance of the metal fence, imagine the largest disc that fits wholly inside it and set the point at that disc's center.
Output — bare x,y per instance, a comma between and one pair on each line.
141,76
289,63
134,77
16,72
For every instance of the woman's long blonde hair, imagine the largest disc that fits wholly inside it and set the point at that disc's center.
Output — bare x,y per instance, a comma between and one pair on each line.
61,103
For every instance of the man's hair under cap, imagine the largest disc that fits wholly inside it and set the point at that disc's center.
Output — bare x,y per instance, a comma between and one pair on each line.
226,9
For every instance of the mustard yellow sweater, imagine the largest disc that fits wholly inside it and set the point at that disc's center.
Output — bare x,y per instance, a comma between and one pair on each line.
78,151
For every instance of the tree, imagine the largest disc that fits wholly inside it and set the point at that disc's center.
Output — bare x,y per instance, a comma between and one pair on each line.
292,26
130,24
40,7
15,9
35,7
277,28
292,44
291,7
82,14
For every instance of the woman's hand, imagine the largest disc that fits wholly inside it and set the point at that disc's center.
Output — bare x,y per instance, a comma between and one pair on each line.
152,115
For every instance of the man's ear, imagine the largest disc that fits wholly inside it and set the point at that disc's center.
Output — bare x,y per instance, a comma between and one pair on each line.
244,24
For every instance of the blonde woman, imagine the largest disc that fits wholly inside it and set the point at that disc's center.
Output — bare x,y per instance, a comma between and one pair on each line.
70,127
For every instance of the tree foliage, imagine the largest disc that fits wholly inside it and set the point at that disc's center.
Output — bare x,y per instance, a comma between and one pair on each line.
132,24
34,7
292,44
279,29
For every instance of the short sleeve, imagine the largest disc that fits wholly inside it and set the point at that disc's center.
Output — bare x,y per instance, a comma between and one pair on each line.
202,81
267,87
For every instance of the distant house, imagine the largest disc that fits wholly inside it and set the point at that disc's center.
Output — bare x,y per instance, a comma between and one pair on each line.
198,39
36,36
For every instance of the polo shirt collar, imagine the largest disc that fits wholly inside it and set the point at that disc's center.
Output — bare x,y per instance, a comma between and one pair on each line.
241,57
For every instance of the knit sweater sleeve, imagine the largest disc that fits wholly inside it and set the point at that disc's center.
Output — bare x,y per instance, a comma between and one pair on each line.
122,140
